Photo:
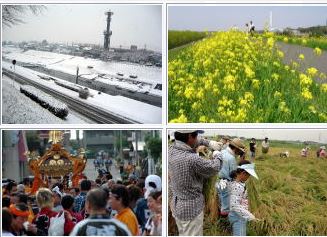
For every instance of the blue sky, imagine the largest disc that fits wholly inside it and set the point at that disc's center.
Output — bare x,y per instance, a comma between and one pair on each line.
131,24
201,17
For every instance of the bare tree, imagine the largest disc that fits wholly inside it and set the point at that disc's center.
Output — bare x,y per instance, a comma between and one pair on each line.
12,14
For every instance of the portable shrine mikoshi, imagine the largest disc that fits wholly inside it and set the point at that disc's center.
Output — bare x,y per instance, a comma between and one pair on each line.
56,163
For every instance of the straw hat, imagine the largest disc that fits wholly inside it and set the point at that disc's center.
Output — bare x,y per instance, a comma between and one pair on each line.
238,143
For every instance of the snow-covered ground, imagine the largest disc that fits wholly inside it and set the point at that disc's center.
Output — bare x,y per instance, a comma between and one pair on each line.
106,72
19,109
125,107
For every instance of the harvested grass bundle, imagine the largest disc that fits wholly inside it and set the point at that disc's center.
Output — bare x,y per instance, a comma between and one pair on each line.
209,191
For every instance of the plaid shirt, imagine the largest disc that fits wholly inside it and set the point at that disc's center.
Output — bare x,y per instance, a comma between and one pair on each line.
187,172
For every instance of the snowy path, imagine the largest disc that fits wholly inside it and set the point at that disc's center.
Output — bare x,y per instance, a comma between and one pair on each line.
19,109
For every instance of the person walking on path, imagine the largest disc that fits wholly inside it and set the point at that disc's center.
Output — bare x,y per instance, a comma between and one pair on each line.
187,171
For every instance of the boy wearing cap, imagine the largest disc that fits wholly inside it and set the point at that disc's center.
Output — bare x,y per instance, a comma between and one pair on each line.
187,171
239,213
235,148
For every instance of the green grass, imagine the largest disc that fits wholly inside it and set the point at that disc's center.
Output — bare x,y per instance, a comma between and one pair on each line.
179,38
173,53
290,196
311,42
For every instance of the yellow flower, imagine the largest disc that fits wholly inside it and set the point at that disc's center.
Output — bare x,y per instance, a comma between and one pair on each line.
295,64
203,119
317,51
248,96
312,71
248,71
196,106
306,94
255,83
304,41
189,92
280,54
282,107
240,116
277,94
305,80
180,119
271,42
323,117
200,94
312,109
229,82
225,102
285,39
276,64
301,56
275,76
324,87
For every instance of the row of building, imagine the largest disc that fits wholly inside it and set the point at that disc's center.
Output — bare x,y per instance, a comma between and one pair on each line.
125,145
121,54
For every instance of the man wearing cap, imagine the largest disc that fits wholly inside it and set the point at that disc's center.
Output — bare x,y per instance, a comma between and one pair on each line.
187,171
235,148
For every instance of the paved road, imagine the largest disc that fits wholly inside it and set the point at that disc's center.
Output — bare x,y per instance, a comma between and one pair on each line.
292,52
92,174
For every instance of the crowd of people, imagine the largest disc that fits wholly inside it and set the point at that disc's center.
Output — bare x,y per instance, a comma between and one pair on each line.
104,206
187,172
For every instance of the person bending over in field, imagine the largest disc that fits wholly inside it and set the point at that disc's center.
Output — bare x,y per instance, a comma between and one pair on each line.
235,148
239,213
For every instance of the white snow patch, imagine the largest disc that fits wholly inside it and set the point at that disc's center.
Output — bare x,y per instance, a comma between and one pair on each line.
147,77
125,107
19,109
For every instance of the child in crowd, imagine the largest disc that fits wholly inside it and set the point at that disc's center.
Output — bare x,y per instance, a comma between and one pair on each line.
239,213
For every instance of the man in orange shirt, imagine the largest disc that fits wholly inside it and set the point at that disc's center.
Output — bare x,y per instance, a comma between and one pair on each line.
119,201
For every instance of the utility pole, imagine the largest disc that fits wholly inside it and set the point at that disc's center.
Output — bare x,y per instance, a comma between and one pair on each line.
136,147
77,71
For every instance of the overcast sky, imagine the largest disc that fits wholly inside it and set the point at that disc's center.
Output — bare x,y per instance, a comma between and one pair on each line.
316,135
85,23
215,18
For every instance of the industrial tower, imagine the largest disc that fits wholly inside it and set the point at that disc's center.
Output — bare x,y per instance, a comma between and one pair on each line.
107,33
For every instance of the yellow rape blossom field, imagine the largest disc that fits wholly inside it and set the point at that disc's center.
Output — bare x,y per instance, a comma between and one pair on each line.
235,77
